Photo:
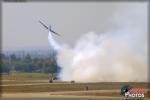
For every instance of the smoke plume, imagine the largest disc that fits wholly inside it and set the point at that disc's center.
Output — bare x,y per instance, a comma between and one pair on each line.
117,55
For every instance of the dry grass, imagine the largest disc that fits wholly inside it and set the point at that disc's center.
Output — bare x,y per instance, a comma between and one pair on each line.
39,83
49,87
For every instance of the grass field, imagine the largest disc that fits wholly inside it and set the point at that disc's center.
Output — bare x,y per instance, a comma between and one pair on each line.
25,76
38,82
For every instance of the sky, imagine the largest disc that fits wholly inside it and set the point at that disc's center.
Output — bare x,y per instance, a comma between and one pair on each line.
21,30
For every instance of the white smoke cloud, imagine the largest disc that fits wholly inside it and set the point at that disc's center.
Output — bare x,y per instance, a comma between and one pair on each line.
53,44
118,55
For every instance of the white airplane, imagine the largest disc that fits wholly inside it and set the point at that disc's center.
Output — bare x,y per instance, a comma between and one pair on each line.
49,28
53,44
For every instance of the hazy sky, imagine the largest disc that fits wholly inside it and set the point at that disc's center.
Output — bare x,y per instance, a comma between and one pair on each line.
70,19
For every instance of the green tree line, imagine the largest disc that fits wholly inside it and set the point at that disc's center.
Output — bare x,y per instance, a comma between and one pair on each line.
27,63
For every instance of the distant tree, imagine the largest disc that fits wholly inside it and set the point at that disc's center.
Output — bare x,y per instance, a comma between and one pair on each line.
2,56
13,57
6,68
27,63
27,58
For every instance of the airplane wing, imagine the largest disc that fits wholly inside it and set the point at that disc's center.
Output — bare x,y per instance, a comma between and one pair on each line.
43,24
55,32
